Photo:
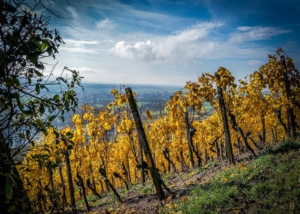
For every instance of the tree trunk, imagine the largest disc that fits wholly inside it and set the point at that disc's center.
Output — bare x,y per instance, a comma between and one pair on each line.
239,130
70,182
183,164
53,195
263,122
81,184
205,156
142,165
290,112
189,140
167,157
91,187
198,156
102,172
278,113
218,153
102,187
274,135
41,196
144,144
117,175
12,192
229,151
64,198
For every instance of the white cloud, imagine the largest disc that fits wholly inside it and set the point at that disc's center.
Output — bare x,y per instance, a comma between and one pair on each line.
140,50
72,11
194,43
78,46
79,43
186,44
78,50
244,28
246,33
106,24
88,70
254,62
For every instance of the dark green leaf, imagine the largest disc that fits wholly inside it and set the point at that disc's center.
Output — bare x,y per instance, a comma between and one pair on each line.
33,59
42,109
51,118
44,45
69,134
13,20
56,134
39,74
58,160
9,8
20,105
39,123
21,135
8,188
27,133
56,97
28,112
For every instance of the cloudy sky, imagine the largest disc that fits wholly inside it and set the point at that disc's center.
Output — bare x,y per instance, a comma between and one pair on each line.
167,42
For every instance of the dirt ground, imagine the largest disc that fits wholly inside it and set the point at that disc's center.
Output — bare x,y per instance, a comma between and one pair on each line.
138,202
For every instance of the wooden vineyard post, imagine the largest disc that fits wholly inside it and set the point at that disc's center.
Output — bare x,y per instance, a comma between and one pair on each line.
189,140
263,121
53,195
290,113
81,184
205,155
144,144
225,124
141,163
64,198
70,181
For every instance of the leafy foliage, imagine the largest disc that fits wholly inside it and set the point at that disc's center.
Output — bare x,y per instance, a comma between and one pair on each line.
26,109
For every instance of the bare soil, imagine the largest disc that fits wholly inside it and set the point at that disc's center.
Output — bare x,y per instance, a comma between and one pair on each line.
138,202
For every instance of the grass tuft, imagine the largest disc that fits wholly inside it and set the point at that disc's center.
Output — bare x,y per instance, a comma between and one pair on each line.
269,184
286,146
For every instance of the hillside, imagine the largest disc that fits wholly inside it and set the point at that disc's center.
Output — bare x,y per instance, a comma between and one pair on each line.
267,184
97,162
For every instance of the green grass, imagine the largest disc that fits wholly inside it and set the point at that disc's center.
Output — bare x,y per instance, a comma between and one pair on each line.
286,146
269,184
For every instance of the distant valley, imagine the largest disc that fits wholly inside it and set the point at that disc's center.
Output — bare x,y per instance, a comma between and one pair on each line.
150,97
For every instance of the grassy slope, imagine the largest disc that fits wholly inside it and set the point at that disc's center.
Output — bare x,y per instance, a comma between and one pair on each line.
269,184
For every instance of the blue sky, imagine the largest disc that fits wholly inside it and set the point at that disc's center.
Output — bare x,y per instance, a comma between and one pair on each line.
168,42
